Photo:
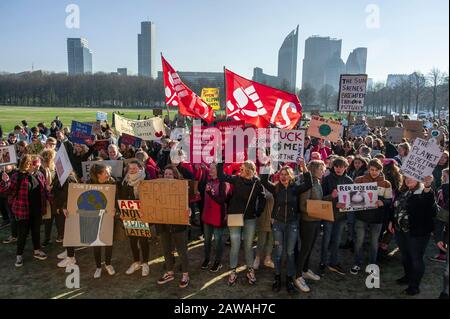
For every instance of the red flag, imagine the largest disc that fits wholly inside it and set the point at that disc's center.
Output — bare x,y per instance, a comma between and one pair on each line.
259,104
178,94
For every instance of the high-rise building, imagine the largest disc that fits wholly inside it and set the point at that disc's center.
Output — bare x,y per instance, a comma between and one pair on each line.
333,70
147,50
396,79
122,71
79,57
287,65
287,60
321,53
356,62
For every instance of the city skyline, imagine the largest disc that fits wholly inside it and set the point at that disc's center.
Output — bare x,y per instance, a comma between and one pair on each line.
79,56
227,37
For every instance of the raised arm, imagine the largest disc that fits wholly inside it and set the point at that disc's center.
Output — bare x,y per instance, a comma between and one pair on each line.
267,184
224,177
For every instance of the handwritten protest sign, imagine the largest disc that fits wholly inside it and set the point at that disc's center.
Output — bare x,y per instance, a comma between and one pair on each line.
324,128
101,145
62,164
412,129
211,97
352,91
130,213
421,160
148,130
286,146
395,135
130,140
359,129
8,155
164,201
389,123
358,196
101,116
81,133
90,218
320,209
373,123
116,168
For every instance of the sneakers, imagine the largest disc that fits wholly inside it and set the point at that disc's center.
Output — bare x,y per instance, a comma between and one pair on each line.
290,287
110,270
355,269
276,285
337,269
251,276
205,264
98,273
440,258
62,255
402,281
10,240
134,266
19,261
232,278
300,283
269,263
310,275
68,261
166,278
184,282
39,254
145,270
59,239
256,263
216,267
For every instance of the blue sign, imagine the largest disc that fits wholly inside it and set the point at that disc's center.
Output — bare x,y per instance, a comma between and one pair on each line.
81,133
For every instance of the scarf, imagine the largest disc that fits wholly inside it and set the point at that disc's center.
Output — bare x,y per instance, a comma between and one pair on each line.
134,180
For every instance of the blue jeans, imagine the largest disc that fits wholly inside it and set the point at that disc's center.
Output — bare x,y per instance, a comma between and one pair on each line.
330,243
209,231
235,237
374,235
285,237
412,250
351,226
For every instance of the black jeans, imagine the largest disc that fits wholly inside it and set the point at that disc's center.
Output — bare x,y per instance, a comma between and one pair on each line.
59,218
23,228
180,240
98,255
143,243
4,209
412,250
308,235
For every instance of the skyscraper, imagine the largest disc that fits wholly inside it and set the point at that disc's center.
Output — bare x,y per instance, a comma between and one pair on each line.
79,57
356,62
321,53
147,50
287,60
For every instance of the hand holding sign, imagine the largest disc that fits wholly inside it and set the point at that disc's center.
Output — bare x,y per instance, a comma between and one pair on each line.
5,177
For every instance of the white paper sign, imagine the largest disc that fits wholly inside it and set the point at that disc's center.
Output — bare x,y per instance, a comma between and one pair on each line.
358,196
8,155
148,130
101,116
286,146
116,168
62,164
352,91
421,160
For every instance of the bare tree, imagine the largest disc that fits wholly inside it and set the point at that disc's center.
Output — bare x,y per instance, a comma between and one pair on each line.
307,94
434,78
325,95
418,81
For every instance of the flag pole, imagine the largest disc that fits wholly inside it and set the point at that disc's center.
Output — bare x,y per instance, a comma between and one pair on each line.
167,107
225,87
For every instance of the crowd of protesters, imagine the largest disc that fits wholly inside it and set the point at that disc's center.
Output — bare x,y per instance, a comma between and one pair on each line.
408,213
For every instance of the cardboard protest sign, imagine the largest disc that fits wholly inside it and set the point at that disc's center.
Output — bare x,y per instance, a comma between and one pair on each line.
211,97
116,168
358,196
436,135
130,140
359,129
101,145
63,165
130,213
286,146
421,160
389,123
395,135
148,130
352,91
90,218
164,201
8,155
101,116
373,123
324,128
320,209
412,129
81,133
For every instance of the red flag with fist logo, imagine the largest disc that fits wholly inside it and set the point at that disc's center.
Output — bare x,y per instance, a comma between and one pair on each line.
259,104
179,95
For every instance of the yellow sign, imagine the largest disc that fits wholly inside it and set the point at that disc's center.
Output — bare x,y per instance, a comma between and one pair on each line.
211,97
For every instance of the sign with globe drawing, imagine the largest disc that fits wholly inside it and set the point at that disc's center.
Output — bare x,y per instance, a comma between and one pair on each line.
326,129
90,218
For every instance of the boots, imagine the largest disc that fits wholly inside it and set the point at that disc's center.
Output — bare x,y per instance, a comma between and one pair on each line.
290,285
276,285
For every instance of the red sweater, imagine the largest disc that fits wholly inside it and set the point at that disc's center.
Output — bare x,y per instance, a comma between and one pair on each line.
214,208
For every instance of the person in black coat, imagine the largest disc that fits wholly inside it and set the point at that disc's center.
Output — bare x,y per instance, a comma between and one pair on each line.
412,222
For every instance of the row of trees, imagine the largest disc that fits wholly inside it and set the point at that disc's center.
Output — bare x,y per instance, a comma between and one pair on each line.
414,93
